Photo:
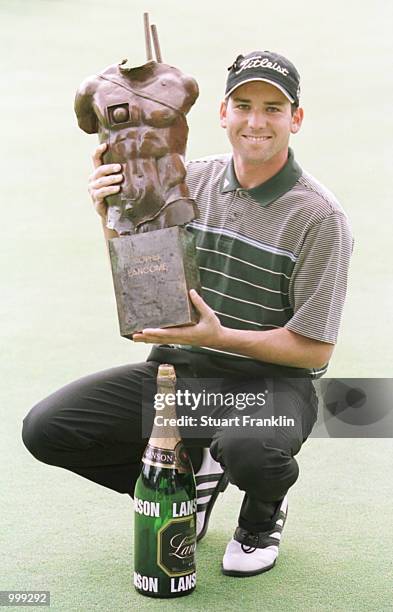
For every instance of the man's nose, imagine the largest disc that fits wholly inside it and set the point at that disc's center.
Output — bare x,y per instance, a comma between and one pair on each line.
256,120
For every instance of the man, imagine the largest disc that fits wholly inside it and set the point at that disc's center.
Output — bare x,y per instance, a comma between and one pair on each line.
273,247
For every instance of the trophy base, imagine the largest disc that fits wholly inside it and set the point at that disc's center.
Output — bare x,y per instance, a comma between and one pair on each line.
152,275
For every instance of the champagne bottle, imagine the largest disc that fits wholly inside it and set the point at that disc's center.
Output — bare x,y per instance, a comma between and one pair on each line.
165,505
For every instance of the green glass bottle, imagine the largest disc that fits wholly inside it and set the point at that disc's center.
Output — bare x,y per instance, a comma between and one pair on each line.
165,505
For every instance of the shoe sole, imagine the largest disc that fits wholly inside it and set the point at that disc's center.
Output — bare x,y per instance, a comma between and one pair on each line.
220,488
239,574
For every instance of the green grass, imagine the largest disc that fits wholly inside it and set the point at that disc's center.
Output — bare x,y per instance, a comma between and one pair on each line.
58,310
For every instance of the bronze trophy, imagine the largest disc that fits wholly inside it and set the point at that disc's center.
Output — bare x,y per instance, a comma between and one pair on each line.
141,114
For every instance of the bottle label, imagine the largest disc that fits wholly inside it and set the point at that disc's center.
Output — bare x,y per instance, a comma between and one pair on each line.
176,546
166,458
146,583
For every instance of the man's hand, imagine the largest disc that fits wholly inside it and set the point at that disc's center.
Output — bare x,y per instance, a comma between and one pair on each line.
207,332
104,181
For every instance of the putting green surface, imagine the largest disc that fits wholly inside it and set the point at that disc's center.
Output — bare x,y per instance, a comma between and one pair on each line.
73,538
61,533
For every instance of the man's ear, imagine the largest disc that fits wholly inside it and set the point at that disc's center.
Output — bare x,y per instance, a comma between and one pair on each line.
223,114
297,120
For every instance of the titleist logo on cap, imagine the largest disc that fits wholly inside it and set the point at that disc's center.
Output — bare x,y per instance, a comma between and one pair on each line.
258,61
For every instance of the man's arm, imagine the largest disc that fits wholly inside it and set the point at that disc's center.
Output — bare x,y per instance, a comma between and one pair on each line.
279,346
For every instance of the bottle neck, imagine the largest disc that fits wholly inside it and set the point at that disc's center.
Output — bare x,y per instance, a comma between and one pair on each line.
165,433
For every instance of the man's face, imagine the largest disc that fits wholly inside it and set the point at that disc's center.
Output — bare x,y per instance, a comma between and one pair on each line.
258,120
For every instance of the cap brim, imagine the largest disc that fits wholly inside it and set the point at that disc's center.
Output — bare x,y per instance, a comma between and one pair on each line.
286,94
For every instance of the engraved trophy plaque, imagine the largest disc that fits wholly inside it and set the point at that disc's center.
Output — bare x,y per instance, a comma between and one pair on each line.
141,114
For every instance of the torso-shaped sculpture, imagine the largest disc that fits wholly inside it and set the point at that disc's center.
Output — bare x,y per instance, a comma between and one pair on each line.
141,113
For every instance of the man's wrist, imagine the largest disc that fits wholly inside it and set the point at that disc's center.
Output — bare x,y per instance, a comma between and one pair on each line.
225,338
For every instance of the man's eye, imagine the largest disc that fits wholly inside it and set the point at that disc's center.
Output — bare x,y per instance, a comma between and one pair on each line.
242,106
272,109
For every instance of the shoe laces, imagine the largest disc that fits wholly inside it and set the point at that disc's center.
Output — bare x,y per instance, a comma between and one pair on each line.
250,548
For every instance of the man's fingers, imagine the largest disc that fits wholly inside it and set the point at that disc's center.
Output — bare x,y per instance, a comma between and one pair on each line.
100,188
97,155
106,170
108,180
194,295
198,302
104,181
102,193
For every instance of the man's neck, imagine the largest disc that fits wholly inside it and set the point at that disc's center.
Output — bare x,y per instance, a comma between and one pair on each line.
251,175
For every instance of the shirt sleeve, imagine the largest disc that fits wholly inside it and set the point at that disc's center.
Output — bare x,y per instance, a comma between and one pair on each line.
319,281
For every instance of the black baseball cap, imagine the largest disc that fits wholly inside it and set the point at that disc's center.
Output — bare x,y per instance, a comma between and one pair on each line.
265,66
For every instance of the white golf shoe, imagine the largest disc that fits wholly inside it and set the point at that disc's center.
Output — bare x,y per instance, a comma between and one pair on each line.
249,554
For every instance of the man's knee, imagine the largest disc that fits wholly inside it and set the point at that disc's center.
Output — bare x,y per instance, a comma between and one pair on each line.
34,433
255,464
244,457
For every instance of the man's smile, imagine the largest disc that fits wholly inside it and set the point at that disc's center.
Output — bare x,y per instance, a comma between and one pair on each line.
255,138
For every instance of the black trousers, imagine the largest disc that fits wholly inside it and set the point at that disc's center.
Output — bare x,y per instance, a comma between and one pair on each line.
93,426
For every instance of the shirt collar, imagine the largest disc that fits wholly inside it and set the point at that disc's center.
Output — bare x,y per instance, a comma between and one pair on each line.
270,190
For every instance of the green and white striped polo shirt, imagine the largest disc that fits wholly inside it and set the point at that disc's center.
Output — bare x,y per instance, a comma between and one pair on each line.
273,256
